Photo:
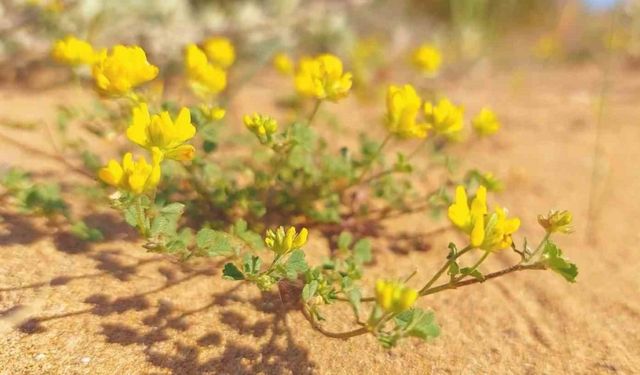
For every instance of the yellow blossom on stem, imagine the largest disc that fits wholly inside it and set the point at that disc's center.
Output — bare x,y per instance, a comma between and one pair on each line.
220,51
322,78
205,78
160,132
282,242
445,118
487,231
73,51
262,126
283,64
394,297
557,221
134,176
427,58
123,68
403,106
486,122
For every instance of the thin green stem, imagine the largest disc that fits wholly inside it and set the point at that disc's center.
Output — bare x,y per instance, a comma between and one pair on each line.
517,267
140,217
444,268
370,163
314,111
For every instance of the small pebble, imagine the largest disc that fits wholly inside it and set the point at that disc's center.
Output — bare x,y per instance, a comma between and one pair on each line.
40,356
85,360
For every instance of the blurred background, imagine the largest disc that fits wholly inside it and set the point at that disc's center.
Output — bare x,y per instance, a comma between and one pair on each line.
471,33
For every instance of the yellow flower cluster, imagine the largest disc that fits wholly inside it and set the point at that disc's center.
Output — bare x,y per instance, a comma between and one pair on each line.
487,231
394,297
403,106
262,126
427,58
283,63
220,51
282,242
163,137
486,122
162,133
135,176
117,72
445,118
205,78
322,78
73,51
557,221
403,109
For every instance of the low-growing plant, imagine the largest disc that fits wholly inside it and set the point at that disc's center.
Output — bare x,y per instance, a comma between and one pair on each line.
214,200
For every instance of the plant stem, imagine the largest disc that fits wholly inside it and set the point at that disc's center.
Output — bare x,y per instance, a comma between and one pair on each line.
335,335
140,216
314,111
517,267
443,269
370,164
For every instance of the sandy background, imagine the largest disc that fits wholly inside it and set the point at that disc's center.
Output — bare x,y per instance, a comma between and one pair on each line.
110,308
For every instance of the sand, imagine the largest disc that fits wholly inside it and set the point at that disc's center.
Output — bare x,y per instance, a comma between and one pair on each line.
111,308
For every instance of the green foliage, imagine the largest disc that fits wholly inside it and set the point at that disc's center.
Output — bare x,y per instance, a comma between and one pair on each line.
553,258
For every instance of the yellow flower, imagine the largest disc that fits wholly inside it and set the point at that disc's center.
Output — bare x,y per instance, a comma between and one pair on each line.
73,51
470,219
283,64
126,67
322,78
445,118
161,132
282,242
403,105
487,231
220,51
486,122
134,176
427,58
213,113
394,297
262,126
557,221
205,78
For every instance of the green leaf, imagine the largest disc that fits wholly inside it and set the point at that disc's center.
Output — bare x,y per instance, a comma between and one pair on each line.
418,323
253,239
230,271
454,269
82,231
344,240
309,290
213,242
553,258
362,251
251,264
295,264
475,273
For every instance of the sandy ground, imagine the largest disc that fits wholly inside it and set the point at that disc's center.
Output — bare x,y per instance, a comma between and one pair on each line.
111,308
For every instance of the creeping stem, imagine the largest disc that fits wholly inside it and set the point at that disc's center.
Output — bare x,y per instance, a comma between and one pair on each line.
444,268
335,335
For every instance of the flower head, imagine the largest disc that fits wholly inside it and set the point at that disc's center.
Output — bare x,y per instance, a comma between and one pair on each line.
486,122
394,297
490,231
220,51
427,58
125,67
322,78
283,64
403,106
134,176
445,118
205,78
262,126
557,221
73,51
282,242
161,132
